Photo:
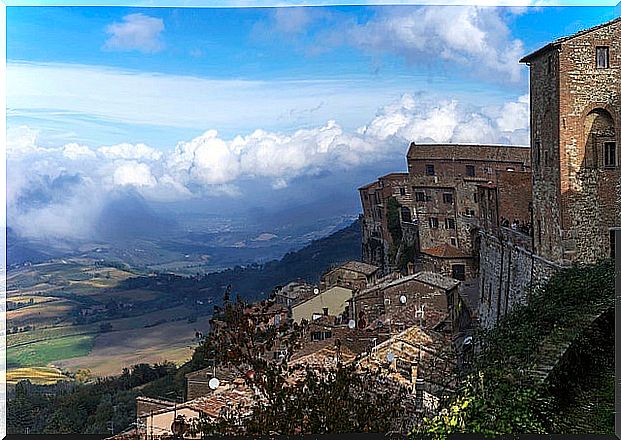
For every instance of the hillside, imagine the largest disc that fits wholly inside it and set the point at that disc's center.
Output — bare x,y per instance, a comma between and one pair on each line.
77,313
258,280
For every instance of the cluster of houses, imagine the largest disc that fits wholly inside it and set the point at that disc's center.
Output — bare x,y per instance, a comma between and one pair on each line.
478,226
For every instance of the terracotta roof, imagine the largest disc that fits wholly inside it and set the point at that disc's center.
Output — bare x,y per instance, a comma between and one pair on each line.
445,251
360,267
558,41
436,280
239,396
224,374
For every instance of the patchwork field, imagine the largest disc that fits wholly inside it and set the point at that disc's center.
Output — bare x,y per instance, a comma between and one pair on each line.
36,375
111,352
75,314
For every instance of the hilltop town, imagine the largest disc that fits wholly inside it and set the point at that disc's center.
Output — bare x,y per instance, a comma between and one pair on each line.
449,247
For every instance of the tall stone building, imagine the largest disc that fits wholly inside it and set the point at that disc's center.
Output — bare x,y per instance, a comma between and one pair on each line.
444,179
377,241
575,86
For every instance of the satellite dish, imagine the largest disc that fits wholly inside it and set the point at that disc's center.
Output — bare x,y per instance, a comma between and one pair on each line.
403,299
351,324
214,383
390,356
468,340
315,291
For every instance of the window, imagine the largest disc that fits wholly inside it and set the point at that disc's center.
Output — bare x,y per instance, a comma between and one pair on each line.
476,198
610,154
406,215
470,171
453,241
433,222
459,272
613,236
602,57
449,223
549,64
402,191
537,152
420,196
447,197
430,170
546,158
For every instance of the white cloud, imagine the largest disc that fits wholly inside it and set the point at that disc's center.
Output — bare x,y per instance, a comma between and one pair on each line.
515,115
470,38
74,151
137,32
133,173
60,91
129,151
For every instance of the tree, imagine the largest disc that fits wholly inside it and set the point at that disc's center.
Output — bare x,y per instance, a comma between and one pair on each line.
295,399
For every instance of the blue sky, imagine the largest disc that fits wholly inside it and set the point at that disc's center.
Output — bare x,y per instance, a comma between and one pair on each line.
281,48
184,103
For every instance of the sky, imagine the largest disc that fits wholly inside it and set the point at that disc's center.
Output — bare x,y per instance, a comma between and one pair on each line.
186,104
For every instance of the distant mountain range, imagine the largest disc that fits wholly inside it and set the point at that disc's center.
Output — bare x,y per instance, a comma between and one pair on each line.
256,281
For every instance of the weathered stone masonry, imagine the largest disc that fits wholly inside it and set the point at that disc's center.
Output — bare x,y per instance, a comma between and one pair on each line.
575,138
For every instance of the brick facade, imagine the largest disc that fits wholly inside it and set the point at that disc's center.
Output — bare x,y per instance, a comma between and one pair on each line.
575,115
444,180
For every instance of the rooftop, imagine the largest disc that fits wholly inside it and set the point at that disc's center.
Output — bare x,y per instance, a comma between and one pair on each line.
445,251
360,267
561,40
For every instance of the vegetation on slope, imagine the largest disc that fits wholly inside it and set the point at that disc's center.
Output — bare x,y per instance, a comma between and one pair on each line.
502,394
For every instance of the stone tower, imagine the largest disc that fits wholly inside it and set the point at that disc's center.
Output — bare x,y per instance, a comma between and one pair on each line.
575,89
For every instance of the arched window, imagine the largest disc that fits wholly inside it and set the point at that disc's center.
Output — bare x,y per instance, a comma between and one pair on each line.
600,147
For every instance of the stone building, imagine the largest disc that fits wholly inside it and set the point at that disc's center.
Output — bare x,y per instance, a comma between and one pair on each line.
575,86
331,302
378,244
419,299
444,179
351,275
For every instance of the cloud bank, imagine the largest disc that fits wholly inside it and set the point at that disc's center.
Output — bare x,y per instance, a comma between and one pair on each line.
59,191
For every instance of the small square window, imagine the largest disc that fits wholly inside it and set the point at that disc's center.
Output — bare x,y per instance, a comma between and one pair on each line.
430,170
420,196
433,222
449,223
447,197
453,241
610,154
470,172
602,57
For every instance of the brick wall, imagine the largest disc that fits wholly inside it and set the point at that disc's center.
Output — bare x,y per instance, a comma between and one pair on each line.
575,109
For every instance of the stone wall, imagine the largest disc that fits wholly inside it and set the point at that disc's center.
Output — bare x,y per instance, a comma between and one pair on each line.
509,271
575,111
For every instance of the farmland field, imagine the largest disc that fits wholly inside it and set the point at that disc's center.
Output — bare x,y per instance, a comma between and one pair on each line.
80,313
45,352
36,375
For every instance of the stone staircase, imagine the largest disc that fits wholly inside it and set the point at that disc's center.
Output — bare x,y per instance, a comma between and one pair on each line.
558,342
